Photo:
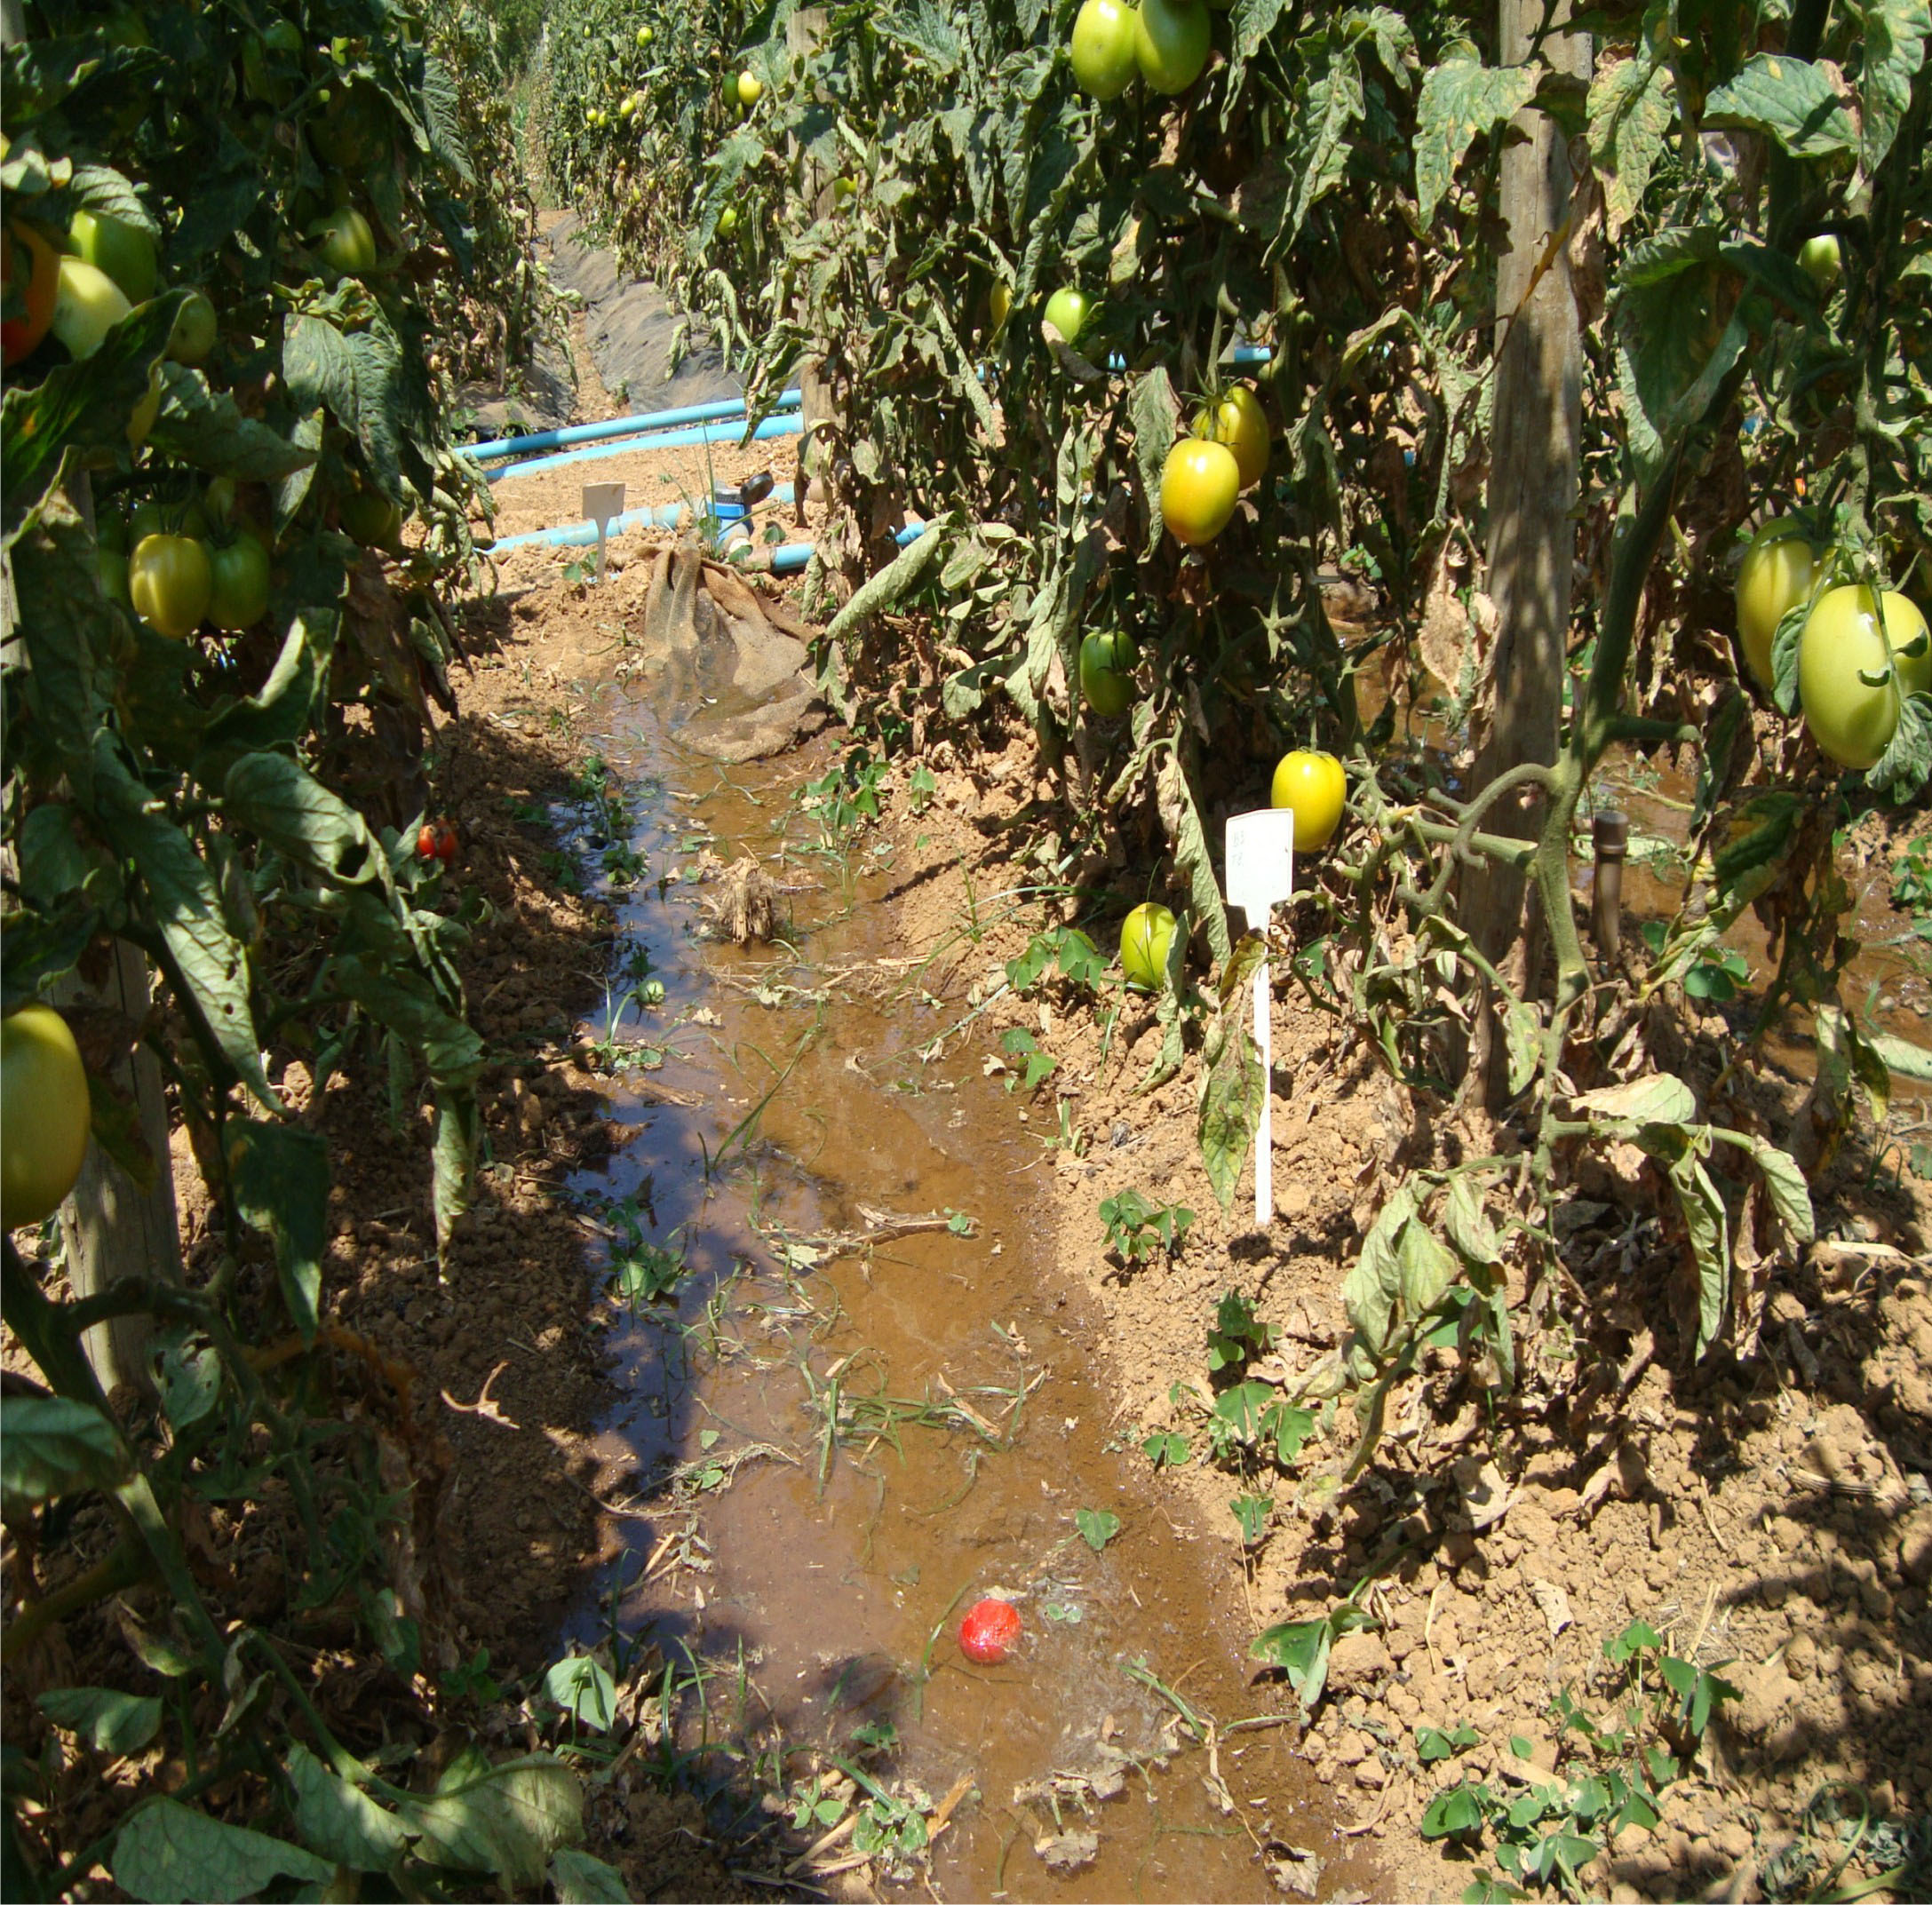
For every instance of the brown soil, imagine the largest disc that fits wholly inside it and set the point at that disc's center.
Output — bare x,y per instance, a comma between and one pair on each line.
1771,1514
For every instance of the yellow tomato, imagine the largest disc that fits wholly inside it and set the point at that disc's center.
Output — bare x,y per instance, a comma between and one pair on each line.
1851,703
44,1115
1239,421
1146,933
1316,788
1778,570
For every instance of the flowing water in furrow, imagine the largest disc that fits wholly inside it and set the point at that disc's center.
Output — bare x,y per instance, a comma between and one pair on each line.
867,1442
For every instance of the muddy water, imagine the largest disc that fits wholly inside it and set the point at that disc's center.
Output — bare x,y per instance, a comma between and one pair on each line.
971,1419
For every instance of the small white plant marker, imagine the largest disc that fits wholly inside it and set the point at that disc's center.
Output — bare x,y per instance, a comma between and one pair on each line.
1261,874
601,503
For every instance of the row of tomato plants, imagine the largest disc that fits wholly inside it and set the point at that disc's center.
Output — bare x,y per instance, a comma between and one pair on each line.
249,252
1017,250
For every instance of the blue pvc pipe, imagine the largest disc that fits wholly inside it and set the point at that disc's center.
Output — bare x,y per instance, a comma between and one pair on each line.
618,427
789,425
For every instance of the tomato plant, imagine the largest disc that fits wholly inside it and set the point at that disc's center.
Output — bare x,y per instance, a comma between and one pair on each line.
44,1115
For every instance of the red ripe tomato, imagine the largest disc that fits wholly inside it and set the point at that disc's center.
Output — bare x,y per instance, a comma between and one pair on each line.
30,273
425,842
446,842
990,1631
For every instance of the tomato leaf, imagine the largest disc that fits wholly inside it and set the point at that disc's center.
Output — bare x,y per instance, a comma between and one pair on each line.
51,1445
1631,107
279,1176
1461,100
339,1820
110,1722
578,1879
508,1819
169,1851
1792,100
202,428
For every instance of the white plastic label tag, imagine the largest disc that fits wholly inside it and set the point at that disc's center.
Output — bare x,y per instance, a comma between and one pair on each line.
1261,853
601,503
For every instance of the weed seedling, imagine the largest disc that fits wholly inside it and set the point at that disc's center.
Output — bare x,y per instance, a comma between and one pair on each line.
1136,1228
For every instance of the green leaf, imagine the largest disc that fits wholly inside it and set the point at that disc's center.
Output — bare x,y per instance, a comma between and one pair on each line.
1097,1526
1233,1090
1709,1229
1455,1814
1790,1194
110,1722
278,799
1630,112
1522,1044
201,427
1791,100
280,1177
1166,1448
1290,1426
187,906
190,1377
1154,416
1468,1224
1181,814
578,1879
1895,37
51,1445
339,1820
167,1851
508,1819
280,713
1242,1406
1370,1291
1656,1097
1427,1269
1906,763
1461,100
1300,1649
583,1689
1252,1512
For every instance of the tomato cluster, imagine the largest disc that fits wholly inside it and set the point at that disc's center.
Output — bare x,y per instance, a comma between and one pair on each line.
1861,653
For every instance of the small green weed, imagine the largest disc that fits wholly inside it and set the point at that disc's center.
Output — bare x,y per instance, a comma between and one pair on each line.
1543,1831
844,799
1018,1042
1065,950
1136,1228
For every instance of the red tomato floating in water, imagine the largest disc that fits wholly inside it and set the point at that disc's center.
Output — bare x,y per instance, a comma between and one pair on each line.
990,1631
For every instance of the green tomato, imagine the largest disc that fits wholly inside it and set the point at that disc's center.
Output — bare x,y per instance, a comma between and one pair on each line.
1821,261
87,305
124,251
1171,41
44,1114
728,221
1146,934
645,36
1850,696
238,574
999,304
345,242
1102,47
1068,311
374,520
170,583
1776,576
1200,485
193,336
1106,664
